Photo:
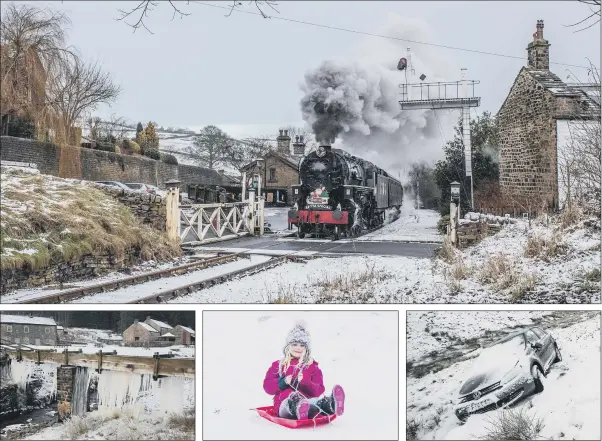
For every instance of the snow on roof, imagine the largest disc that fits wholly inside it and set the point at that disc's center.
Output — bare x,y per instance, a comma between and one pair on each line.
187,329
147,327
27,320
161,324
59,327
168,334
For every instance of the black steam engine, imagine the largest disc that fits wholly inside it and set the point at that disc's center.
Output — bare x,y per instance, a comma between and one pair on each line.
341,195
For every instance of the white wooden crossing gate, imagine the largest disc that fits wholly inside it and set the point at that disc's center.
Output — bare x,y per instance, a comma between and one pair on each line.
206,223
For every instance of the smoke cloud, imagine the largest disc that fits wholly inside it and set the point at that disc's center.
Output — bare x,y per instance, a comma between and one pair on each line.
353,103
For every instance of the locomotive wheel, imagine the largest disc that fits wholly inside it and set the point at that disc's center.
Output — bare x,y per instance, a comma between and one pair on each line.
300,235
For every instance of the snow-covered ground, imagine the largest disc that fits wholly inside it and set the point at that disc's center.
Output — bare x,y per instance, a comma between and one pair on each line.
566,270
277,217
411,226
358,350
134,292
347,279
569,405
435,330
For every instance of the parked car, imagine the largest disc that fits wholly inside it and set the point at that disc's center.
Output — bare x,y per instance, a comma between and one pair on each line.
114,184
138,186
510,369
156,190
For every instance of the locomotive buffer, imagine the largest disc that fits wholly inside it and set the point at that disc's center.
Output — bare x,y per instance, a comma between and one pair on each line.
452,95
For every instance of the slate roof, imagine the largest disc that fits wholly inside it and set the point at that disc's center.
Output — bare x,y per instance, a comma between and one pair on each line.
148,327
161,324
26,320
187,329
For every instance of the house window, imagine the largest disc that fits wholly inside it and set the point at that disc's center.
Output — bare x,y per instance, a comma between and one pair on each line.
47,330
272,174
26,329
136,338
25,340
9,328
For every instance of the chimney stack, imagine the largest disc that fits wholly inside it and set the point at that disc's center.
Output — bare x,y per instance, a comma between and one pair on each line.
299,146
284,143
538,51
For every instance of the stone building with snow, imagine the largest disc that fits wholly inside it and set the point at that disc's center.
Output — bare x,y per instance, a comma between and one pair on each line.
184,335
279,169
536,124
140,334
28,330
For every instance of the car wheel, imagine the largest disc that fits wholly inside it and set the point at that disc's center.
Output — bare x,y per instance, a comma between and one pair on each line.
537,376
558,357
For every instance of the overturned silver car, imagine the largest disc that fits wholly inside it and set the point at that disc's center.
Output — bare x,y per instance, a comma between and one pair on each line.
510,369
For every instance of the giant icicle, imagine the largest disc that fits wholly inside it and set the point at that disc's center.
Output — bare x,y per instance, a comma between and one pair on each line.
80,391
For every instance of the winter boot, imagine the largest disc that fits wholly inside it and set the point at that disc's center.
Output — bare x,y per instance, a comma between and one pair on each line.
298,406
338,400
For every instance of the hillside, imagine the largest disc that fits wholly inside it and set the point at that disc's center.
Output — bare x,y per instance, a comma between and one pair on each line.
48,219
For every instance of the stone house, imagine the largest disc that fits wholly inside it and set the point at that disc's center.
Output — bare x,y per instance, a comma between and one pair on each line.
140,333
279,169
28,330
184,335
532,122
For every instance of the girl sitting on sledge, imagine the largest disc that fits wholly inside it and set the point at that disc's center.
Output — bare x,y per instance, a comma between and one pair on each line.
296,382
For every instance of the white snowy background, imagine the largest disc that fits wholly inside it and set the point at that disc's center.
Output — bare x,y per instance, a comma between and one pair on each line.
569,405
358,350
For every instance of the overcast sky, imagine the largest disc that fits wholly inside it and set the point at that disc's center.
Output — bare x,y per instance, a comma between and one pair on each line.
244,72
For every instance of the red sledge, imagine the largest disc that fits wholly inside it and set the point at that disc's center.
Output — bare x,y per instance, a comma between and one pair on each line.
268,414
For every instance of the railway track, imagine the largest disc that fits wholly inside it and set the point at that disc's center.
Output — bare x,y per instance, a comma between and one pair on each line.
171,293
82,291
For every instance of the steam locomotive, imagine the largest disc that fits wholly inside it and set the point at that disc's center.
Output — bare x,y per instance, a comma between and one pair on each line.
341,195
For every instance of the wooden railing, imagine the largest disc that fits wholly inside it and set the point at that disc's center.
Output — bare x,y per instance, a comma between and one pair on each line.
157,365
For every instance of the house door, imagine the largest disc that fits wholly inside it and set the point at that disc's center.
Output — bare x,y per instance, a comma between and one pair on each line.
37,342
17,340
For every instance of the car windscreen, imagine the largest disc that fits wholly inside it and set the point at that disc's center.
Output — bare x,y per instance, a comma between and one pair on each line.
134,186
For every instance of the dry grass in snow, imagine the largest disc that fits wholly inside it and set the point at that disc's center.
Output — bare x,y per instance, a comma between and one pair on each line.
47,219
128,423
553,259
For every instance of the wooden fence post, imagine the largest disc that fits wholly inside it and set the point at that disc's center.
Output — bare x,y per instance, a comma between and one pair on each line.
172,205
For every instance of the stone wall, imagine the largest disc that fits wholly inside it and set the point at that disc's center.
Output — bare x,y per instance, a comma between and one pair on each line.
98,165
65,381
527,131
150,209
64,272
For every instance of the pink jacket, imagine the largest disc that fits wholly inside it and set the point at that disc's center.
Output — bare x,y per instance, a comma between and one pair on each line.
310,386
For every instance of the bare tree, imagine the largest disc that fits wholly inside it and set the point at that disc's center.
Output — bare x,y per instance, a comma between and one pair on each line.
242,152
592,19
579,164
33,51
141,12
211,146
308,137
77,88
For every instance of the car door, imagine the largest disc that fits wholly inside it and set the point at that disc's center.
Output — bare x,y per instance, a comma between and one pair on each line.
538,354
548,342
